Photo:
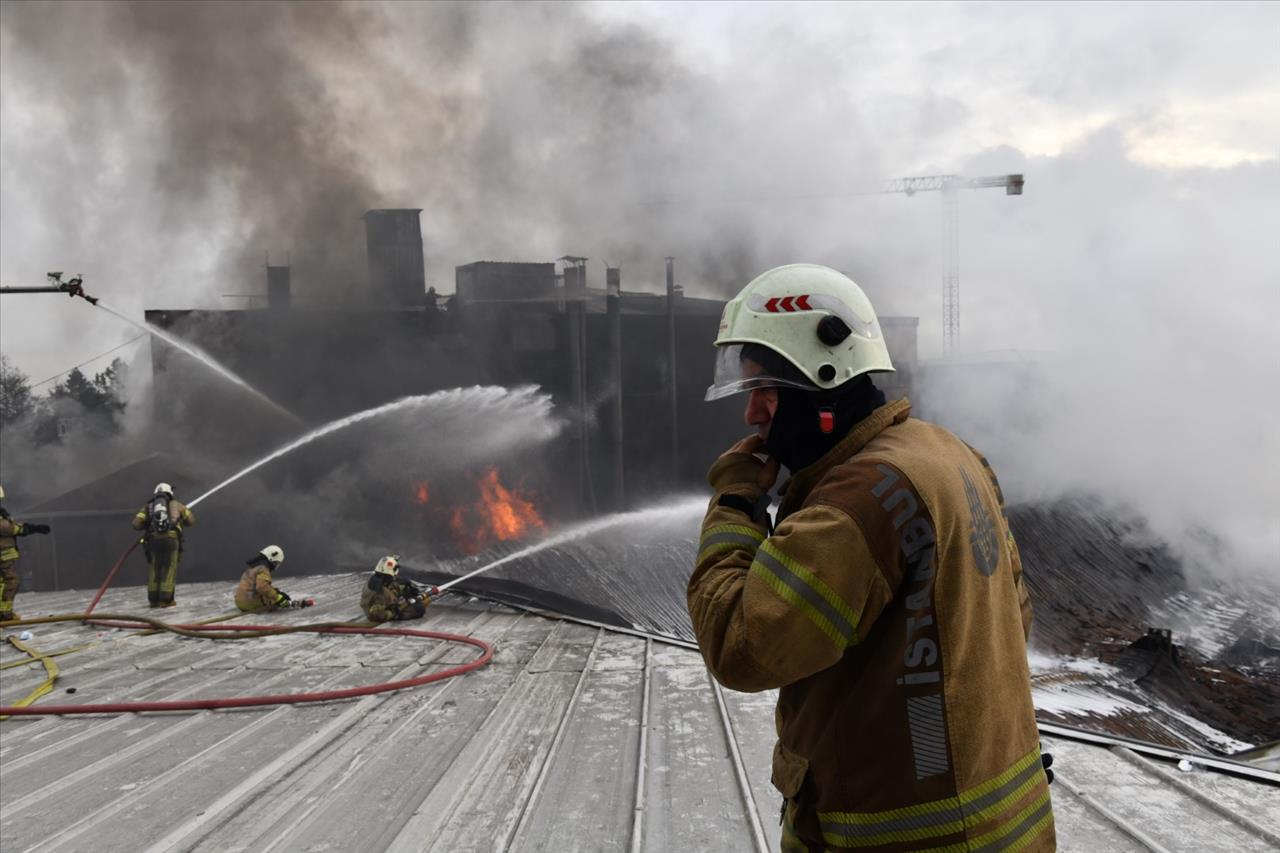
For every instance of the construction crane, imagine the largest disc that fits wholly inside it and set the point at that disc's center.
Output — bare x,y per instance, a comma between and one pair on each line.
948,186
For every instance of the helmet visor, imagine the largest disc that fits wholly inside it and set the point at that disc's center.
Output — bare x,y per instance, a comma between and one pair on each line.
735,374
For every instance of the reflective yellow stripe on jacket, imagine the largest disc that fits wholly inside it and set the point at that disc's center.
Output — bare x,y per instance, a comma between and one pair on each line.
728,537
804,590
939,818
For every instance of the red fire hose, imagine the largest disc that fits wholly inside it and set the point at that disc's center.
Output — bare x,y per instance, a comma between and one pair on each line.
111,576
129,621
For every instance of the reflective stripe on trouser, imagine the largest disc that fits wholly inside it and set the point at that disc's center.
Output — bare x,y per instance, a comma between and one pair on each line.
9,582
162,574
1014,804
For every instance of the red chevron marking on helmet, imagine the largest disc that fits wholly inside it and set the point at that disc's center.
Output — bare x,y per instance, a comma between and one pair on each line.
802,302
786,303
772,305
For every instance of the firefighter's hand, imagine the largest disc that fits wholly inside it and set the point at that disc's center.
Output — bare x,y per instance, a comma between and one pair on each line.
38,528
739,466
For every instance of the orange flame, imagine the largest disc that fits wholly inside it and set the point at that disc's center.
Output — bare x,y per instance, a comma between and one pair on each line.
421,492
500,514
509,515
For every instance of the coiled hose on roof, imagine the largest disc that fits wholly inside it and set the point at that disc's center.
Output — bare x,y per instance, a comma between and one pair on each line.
232,632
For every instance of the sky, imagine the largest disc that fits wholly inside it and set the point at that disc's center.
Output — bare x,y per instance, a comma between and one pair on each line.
165,151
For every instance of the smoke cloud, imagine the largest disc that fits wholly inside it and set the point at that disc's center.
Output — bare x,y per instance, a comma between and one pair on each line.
163,149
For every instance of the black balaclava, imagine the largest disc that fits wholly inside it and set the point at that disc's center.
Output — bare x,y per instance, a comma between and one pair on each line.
796,438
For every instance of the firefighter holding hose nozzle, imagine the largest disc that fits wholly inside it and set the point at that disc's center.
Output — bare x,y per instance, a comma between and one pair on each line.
10,530
256,593
387,597
162,519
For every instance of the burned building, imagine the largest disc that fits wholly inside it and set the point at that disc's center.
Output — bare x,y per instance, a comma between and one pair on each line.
626,371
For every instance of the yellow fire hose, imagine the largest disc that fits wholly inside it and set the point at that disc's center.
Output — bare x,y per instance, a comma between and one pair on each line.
51,668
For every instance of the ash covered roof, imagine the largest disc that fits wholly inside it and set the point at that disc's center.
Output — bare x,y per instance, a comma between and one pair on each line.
575,737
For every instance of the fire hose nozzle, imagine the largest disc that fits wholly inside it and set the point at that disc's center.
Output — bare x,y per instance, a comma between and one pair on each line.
72,287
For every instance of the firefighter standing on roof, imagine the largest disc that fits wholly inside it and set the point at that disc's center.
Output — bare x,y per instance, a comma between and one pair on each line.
386,597
256,593
10,530
887,605
163,519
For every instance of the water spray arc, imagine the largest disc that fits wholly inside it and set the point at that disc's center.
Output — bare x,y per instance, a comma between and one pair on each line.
204,358
641,517
320,432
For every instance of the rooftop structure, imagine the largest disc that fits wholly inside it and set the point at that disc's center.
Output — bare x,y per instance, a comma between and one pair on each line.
575,737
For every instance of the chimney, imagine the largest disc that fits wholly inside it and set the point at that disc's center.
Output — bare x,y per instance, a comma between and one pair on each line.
394,241
278,295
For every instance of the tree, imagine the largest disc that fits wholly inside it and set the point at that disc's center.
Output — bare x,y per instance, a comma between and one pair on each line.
78,404
16,402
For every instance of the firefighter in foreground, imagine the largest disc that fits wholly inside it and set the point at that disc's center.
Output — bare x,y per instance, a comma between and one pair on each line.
386,597
256,593
10,530
163,519
887,604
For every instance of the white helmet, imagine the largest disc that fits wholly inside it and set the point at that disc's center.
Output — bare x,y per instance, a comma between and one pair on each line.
274,555
388,565
164,489
1,493
818,319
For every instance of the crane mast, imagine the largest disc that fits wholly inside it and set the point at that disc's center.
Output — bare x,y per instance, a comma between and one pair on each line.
948,186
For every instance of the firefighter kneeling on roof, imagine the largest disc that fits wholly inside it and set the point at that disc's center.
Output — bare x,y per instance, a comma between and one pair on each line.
387,597
256,593
887,605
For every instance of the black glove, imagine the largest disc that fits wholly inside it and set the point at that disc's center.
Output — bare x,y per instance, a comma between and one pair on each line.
1046,759
37,528
284,596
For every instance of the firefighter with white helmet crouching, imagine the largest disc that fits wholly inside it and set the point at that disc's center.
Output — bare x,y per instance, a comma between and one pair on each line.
256,593
387,597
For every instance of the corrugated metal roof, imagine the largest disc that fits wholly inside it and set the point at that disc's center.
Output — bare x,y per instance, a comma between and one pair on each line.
574,738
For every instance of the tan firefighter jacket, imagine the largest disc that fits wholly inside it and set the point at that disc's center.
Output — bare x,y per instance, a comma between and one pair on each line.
888,606
179,517
9,531
255,593
385,598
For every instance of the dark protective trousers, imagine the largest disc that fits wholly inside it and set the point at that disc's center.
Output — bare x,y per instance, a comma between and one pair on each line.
163,556
8,587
